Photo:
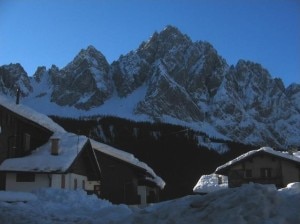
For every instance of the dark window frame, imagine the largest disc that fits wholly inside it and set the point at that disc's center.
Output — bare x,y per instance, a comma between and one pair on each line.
266,172
25,177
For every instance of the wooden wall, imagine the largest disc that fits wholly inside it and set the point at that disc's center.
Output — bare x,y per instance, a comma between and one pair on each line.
18,135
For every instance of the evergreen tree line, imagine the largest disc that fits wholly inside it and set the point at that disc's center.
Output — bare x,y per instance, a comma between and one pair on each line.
171,150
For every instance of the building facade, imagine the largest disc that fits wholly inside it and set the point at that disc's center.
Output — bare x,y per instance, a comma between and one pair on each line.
265,166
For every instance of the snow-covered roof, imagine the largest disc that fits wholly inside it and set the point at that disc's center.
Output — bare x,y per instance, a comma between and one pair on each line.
30,114
41,160
285,155
210,183
128,158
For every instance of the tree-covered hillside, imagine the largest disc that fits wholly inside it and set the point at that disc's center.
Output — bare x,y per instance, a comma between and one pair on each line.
172,151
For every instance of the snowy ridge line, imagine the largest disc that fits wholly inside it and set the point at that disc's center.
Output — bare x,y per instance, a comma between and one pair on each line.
31,114
127,157
294,157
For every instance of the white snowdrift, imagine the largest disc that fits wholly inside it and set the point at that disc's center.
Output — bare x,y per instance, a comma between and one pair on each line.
210,183
252,203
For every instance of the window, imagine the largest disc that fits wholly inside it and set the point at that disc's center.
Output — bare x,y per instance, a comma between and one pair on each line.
75,184
83,184
25,177
63,181
265,172
26,142
236,174
248,173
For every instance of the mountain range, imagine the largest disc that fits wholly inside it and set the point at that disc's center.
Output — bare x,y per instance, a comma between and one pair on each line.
170,79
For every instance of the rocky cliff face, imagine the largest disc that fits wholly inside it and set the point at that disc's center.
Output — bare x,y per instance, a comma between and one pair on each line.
185,82
83,84
12,77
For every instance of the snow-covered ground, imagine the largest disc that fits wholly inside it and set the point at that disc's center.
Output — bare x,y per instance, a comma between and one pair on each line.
252,203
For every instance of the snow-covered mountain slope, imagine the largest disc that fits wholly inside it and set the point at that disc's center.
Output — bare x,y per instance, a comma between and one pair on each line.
168,78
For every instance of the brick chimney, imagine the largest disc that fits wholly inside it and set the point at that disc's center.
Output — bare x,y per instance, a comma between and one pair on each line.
54,146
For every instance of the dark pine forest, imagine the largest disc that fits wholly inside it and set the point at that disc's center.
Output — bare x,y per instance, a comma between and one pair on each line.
172,151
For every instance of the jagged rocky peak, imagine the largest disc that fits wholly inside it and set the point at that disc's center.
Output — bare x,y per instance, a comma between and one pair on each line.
15,69
14,76
164,41
134,68
172,34
293,89
83,83
87,58
259,78
54,70
293,93
40,71
251,70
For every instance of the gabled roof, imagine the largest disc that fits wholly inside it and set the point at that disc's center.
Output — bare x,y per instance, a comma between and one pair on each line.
30,114
41,160
295,157
128,158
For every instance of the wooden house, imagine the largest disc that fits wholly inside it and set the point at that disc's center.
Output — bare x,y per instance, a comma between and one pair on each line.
67,161
36,152
265,166
127,180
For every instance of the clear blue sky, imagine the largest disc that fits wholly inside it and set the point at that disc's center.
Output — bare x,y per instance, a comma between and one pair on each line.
46,32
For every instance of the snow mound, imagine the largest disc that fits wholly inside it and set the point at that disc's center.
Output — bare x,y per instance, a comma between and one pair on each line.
292,188
10,196
210,183
62,206
251,203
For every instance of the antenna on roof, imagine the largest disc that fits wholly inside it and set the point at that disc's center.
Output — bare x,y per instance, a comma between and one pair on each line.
18,95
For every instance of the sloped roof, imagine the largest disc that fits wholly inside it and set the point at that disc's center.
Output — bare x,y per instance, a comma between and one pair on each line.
41,160
128,158
295,157
30,114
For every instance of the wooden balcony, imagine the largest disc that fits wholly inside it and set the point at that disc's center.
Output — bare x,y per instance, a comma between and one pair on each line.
238,181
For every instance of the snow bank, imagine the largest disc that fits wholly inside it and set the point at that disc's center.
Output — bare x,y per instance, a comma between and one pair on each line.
251,203
12,196
248,204
210,183
62,206
292,188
